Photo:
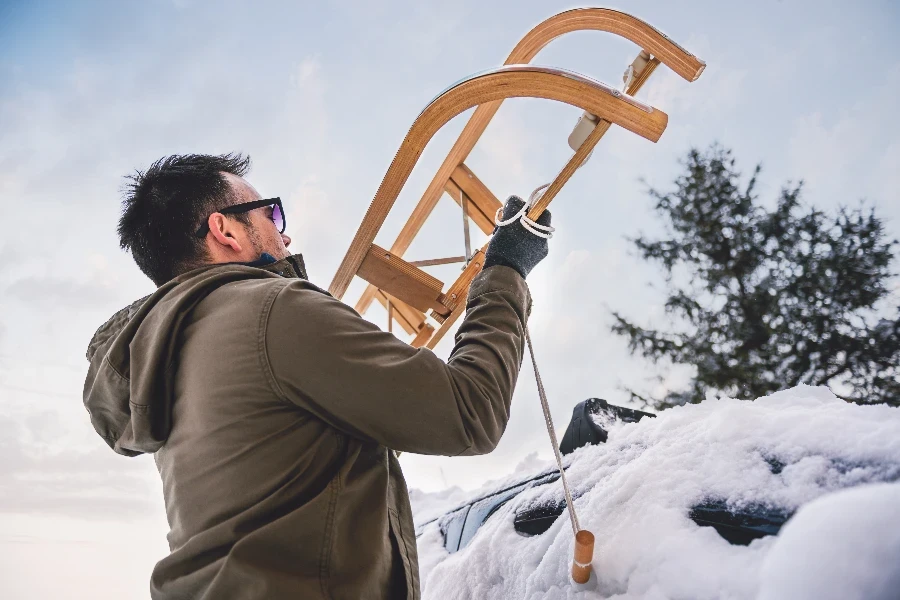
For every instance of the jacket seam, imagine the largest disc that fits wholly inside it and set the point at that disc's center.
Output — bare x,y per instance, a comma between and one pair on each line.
325,554
262,347
401,540
114,370
112,438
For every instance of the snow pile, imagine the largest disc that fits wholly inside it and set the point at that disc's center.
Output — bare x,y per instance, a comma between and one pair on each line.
843,545
635,492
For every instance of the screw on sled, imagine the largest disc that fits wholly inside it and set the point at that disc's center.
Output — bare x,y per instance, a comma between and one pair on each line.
408,292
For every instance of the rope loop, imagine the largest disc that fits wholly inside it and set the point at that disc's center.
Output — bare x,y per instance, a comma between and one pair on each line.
543,231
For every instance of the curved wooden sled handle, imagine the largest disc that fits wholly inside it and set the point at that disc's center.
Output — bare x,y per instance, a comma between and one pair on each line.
515,81
622,24
581,19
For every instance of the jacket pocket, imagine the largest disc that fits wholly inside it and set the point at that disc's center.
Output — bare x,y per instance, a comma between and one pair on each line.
407,555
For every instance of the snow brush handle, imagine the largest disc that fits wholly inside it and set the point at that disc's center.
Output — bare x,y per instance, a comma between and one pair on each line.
584,554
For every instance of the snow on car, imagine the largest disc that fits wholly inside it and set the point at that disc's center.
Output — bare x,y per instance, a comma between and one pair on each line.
689,505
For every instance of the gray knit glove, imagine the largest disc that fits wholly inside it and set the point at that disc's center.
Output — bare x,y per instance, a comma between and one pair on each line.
513,245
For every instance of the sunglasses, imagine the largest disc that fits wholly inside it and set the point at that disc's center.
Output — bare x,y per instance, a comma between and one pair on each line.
277,213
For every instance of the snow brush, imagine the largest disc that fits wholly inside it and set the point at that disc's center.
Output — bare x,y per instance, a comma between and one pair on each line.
403,287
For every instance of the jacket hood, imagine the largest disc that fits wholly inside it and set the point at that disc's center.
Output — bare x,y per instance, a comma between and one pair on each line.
128,391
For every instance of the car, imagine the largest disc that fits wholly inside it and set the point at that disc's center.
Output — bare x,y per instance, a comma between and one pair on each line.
590,424
592,419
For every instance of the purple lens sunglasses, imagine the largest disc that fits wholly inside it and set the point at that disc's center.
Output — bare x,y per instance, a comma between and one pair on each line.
277,213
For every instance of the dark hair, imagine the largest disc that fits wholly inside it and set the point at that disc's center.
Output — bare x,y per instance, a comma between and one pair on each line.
164,205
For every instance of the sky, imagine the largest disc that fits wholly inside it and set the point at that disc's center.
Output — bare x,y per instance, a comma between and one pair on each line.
320,94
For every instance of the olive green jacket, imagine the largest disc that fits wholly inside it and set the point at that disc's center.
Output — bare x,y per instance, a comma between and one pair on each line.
270,407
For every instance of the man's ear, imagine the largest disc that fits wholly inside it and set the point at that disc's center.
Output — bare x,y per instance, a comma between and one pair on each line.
223,231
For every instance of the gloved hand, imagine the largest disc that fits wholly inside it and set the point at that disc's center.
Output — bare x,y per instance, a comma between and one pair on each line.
513,245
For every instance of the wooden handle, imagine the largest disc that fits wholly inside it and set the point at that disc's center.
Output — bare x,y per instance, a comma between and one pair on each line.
584,554
631,28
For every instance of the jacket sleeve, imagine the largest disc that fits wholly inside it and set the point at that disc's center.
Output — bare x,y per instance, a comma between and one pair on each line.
326,359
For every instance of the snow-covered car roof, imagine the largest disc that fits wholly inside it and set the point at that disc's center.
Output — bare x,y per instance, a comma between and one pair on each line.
639,491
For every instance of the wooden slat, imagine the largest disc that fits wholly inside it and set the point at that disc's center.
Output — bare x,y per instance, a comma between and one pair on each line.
415,318
479,193
410,319
459,291
400,279
467,139
423,336
483,221
515,81
445,326
597,19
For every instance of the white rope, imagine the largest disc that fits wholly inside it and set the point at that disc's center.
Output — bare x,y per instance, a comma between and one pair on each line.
543,231
550,430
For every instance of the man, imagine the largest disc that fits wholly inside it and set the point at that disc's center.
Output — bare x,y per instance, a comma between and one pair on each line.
272,408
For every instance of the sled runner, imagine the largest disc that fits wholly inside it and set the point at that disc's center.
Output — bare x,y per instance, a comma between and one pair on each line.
404,288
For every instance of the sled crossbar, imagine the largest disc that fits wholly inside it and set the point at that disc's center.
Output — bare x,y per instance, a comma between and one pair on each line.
402,280
410,319
484,203
456,298
405,288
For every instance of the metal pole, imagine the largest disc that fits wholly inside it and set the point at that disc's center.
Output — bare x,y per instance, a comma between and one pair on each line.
390,311
463,201
437,261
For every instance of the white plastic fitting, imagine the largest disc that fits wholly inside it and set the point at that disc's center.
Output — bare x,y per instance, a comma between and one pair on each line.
582,130
588,122
635,68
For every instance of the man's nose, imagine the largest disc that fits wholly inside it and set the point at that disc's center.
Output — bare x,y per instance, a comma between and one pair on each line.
287,240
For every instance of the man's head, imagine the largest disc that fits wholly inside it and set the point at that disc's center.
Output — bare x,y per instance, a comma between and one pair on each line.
165,206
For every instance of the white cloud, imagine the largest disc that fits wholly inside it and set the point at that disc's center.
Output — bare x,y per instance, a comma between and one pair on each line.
852,153
307,70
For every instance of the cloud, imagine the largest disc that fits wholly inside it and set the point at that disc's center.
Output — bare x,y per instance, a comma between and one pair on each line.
39,476
854,153
506,143
308,69
719,88
9,256
48,293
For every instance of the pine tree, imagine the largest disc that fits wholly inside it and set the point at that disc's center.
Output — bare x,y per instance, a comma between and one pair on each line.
762,300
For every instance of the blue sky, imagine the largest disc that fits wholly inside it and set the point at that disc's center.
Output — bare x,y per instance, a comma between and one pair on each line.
320,95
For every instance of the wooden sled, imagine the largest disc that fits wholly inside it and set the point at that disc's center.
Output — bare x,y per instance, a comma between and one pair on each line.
403,287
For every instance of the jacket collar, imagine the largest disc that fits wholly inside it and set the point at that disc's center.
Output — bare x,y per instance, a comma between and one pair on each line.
290,267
